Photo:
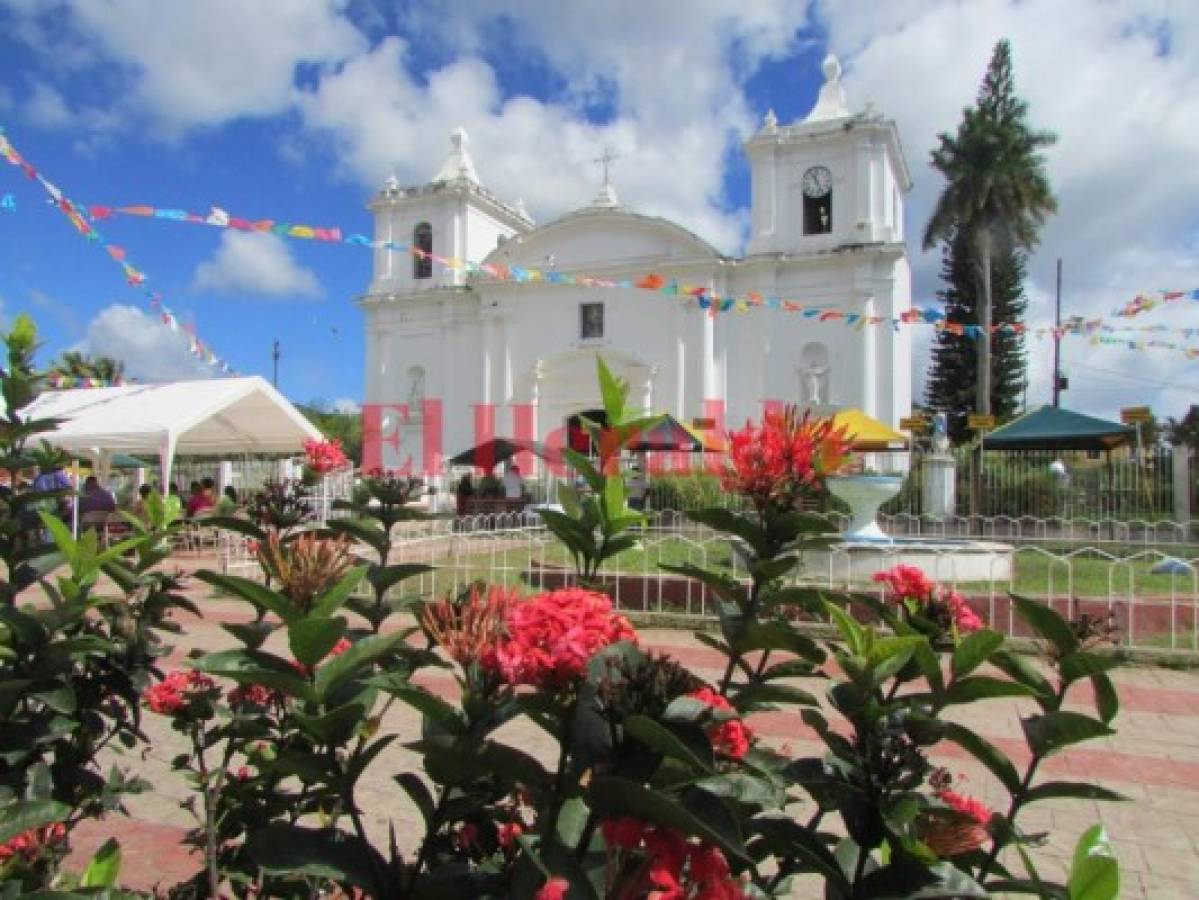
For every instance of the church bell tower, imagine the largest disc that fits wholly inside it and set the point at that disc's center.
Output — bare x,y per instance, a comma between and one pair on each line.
835,179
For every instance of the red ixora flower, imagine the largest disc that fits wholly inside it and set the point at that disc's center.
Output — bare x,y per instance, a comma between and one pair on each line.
323,457
177,691
551,636
785,457
554,889
678,868
253,695
29,844
967,806
909,583
732,737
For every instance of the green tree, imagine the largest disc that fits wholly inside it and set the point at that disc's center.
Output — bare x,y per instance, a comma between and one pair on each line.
996,195
345,427
74,364
951,386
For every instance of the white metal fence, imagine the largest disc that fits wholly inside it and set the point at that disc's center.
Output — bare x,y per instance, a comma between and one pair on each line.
1147,587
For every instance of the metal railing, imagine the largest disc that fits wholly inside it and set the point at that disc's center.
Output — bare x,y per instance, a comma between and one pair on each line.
1151,595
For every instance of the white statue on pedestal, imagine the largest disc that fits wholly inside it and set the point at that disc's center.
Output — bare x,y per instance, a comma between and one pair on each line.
814,383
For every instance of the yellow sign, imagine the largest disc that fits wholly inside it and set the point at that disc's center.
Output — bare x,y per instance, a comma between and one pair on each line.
1131,415
980,423
913,423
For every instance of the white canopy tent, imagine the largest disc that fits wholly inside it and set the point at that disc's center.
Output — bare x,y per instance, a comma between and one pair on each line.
210,417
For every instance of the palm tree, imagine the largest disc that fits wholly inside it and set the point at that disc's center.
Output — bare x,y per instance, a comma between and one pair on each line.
74,364
996,191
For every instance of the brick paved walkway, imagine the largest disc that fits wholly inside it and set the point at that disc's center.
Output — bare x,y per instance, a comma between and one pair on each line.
1154,760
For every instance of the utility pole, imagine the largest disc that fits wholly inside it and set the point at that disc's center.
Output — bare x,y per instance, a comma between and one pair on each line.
1057,338
275,356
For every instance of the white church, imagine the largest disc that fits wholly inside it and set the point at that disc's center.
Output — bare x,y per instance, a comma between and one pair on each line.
517,359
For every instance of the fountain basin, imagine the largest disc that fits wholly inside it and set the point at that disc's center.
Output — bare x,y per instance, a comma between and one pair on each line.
942,559
864,494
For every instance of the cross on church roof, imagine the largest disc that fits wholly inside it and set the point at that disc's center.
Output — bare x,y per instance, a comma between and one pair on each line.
606,159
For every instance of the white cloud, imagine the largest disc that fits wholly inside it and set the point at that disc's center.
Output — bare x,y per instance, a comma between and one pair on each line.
151,351
1119,85
346,405
255,263
46,107
208,63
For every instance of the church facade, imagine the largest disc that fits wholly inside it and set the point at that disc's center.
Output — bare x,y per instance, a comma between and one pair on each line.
453,358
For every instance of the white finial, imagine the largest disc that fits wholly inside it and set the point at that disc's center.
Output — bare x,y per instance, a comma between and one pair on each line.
831,104
458,164
770,122
606,197
391,183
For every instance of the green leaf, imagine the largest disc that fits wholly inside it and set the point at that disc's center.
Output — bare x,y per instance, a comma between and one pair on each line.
1081,664
330,601
447,716
967,690
335,727
986,753
1073,790
1020,669
460,762
361,530
778,635
730,522
1095,874
312,638
750,790
663,740
384,578
583,466
359,658
414,786
611,796
256,667
260,596
1055,731
295,851
973,651
850,630
1047,623
756,696
104,867
1107,701
788,838
888,655
19,816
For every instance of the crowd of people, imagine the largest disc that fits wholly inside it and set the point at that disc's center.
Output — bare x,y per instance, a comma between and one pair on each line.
98,503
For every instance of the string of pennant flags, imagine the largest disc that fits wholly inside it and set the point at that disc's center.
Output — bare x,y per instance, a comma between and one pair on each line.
83,223
83,218
1100,331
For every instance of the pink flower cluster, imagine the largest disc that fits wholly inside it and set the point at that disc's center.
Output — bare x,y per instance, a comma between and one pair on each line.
967,806
178,691
731,737
784,457
550,637
909,583
253,695
679,869
323,457
28,845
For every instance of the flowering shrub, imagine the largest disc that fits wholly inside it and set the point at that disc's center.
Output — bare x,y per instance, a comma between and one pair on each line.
784,458
323,457
924,601
654,784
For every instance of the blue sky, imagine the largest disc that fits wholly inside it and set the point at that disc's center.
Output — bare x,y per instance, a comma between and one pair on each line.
296,110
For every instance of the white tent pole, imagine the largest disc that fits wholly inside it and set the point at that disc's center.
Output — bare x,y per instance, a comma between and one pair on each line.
166,458
75,500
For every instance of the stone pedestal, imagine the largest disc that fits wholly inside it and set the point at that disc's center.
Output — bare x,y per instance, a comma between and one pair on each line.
937,476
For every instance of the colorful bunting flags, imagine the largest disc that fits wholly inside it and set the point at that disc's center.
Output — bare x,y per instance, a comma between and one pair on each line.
84,224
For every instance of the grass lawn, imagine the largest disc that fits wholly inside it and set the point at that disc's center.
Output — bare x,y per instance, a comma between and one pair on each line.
1083,574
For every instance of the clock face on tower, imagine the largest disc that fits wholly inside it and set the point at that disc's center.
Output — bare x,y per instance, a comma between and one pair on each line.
817,182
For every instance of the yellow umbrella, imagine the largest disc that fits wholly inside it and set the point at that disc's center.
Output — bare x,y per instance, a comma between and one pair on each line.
868,434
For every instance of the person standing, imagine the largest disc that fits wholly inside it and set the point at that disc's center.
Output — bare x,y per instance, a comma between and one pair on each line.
514,486
95,498
637,488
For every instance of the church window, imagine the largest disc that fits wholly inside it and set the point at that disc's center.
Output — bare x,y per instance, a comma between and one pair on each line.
817,187
591,321
422,247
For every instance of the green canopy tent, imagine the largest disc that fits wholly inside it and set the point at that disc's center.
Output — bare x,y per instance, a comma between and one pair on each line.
1054,428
